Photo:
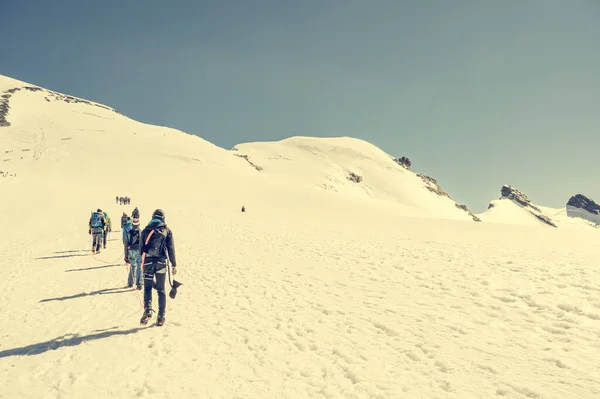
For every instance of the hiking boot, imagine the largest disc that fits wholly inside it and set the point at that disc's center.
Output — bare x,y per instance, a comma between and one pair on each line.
139,286
146,316
129,285
160,320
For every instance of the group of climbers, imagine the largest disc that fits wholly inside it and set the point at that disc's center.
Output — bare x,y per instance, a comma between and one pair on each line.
123,200
147,251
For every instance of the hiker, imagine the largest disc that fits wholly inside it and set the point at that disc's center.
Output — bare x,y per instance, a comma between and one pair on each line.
156,243
96,230
117,199
243,208
131,243
124,220
135,213
107,228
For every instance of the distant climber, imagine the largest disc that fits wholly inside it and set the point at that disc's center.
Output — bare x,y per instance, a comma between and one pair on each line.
243,208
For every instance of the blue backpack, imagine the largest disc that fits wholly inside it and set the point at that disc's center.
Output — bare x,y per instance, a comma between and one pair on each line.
96,220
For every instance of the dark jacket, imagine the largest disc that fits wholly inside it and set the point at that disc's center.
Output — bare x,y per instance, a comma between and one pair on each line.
169,247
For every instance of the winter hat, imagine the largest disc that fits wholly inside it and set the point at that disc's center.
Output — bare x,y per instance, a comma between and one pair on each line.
158,214
99,210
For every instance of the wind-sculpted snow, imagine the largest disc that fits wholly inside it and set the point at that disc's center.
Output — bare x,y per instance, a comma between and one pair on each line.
290,308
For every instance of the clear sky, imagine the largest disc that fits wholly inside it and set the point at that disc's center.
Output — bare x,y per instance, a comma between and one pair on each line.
476,93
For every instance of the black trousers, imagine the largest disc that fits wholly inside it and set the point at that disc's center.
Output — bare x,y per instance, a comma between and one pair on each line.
155,270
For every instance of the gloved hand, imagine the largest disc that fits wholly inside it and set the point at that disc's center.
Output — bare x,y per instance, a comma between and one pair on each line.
127,260
174,270
90,231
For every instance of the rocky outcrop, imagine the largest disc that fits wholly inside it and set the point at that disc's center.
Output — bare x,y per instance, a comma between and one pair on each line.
50,96
517,196
582,202
249,161
354,177
403,161
521,199
466,209
580,206
432,185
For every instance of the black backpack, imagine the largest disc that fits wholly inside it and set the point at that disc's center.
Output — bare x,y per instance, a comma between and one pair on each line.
133,237
156,245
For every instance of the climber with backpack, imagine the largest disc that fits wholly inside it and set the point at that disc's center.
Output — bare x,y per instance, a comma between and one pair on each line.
124,220
131,243
96,230
107,228
157,248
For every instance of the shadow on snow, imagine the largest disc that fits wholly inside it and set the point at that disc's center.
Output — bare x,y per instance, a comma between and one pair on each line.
105,291
65,340
62,256
92,268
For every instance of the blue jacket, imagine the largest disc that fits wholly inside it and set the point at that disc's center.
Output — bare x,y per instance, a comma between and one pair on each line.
126,228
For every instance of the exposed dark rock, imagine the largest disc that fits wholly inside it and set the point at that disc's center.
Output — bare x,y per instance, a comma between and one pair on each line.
354,177
517,196
403,161
466,209
250,162
544,219
582,202
521,199
5,99
432,185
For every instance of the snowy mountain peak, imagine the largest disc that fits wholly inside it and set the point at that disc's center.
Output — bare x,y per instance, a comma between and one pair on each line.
583,207
513,194
585,203
354,168
515,207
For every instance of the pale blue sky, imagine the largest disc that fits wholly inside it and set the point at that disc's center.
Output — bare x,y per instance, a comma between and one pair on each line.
476,93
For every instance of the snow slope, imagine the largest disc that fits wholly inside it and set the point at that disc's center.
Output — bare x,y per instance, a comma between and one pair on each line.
309,294
329,162
581,214
510,211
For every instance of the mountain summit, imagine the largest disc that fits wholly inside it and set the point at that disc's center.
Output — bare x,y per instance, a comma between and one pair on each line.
583,207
